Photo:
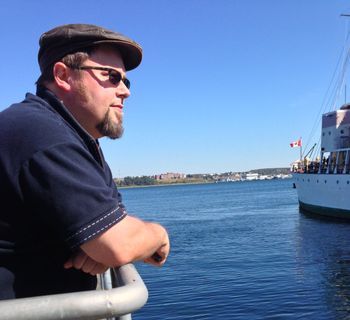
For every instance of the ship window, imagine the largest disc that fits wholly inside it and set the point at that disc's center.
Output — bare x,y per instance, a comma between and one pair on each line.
337,181
347,182
325,181
342,131
317,181
323,134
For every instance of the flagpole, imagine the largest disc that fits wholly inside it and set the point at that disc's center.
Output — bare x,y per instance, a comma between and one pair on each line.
301,147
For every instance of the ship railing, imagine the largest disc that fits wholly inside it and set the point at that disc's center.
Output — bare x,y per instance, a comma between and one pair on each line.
122,291
334,162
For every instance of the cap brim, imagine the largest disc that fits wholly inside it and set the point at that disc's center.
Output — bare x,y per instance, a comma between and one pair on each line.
131,54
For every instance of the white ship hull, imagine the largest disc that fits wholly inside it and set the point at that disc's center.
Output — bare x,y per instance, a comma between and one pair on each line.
326,194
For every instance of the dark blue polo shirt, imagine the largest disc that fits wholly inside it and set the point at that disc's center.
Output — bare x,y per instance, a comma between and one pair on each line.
56,193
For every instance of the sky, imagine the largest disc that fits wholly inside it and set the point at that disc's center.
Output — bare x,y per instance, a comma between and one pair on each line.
224,85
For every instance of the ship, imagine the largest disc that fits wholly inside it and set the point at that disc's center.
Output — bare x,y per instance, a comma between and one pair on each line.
323,182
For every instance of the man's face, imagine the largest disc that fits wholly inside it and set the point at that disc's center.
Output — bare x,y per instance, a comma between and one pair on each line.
98,103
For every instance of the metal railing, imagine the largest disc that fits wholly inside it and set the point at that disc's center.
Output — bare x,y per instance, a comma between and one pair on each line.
111,303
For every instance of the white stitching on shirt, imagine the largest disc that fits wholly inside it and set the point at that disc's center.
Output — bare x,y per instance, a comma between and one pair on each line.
92,224
105,227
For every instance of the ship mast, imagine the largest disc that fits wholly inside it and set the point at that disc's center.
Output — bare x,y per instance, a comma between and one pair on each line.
347,16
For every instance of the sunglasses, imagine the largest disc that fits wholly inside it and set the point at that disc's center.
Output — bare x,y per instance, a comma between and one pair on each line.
114,76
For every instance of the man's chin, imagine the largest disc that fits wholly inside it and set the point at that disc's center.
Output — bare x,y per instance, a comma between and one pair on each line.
115,132
115,136
111,128
111,131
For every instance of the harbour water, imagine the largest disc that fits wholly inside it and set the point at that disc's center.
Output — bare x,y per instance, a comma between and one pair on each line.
243,251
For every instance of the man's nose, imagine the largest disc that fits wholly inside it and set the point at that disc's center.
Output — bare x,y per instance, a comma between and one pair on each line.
122,90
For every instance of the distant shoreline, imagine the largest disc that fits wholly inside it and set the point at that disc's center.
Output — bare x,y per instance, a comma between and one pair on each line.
167,179
165,184
192,183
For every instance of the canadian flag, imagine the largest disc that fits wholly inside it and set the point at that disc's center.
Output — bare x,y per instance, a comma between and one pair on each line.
296,143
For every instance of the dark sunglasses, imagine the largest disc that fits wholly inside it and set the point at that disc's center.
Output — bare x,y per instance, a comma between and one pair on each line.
114,76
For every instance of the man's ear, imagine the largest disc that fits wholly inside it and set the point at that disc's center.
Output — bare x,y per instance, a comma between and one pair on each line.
61,75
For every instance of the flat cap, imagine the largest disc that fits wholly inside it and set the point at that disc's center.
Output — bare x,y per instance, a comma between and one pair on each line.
70,38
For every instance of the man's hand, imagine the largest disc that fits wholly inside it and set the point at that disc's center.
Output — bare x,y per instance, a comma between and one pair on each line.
159,257
83,262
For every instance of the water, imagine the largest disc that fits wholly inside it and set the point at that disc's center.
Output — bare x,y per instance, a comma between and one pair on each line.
243,251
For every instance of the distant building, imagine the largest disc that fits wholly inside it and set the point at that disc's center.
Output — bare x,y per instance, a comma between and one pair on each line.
169,176
252,176
236,177
265,177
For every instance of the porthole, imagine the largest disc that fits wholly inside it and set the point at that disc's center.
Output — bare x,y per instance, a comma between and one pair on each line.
337,181
325,181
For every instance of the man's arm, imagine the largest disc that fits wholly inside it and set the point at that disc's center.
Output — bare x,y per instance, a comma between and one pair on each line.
129,240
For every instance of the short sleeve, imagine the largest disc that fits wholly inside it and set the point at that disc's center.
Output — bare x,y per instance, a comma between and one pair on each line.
68,191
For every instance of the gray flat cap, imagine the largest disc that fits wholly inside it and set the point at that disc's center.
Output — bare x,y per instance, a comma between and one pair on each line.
69,38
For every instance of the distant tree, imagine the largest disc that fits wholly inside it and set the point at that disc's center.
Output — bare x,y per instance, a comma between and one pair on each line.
137,181
144,181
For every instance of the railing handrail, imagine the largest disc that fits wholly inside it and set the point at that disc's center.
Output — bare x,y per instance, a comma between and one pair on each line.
83,305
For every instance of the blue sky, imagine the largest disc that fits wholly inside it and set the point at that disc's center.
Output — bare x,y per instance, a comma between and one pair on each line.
225,85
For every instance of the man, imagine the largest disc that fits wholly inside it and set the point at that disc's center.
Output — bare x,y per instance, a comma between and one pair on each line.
62,220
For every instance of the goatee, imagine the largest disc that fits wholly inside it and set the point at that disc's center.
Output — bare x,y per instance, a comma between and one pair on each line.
109,128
